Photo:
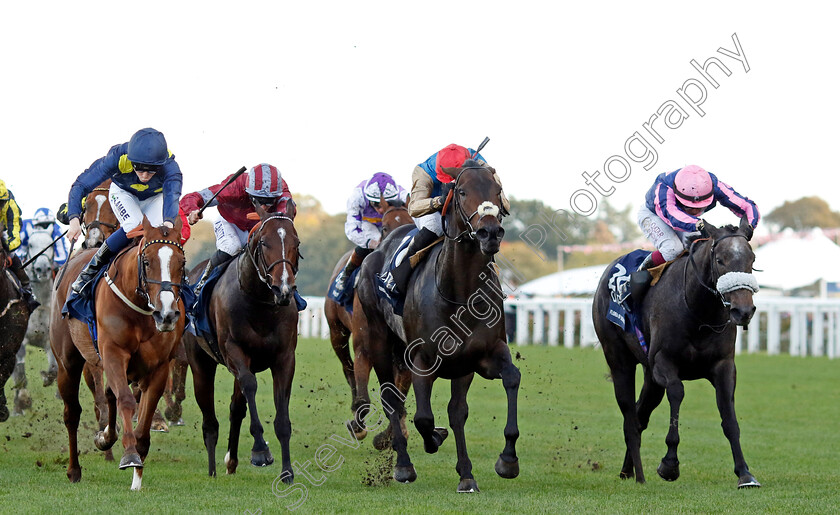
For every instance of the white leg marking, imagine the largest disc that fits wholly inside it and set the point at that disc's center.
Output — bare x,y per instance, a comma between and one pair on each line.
136,481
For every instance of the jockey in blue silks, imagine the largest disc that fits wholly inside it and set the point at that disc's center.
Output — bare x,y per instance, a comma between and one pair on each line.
429,187
145,181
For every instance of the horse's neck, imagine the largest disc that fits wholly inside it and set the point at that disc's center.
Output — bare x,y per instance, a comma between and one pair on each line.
127,278
698,297
249,277
459,269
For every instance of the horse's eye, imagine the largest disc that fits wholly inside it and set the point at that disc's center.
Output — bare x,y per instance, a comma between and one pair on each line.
462,192
145,262
719,261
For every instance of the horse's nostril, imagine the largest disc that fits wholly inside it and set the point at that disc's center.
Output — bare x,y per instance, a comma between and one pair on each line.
500,234
482,234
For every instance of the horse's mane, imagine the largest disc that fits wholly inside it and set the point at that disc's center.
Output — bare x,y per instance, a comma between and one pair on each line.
472,163
396,203
731,228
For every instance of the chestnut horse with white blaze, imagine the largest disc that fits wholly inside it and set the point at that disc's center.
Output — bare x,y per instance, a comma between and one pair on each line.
139,323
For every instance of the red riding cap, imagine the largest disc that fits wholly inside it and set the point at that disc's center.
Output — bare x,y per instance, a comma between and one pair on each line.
451,156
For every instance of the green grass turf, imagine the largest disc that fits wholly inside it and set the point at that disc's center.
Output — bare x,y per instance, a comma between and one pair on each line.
570,449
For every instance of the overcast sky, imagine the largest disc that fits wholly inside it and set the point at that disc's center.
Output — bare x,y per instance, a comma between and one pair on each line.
334,92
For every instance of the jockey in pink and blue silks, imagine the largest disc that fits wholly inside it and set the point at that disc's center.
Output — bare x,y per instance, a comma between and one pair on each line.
365,207
673,207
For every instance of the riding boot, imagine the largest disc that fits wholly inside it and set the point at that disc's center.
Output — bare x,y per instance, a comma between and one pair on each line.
640,280
344,275
25,288
101,258
402,273
216,259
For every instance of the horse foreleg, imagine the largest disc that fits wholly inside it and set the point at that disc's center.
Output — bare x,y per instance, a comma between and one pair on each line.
238,407
649,398
424,419
458,413
69,379
361,398
115,364
507,466
204,376
283,375
152,389
723,380
48,376
665,373
23,400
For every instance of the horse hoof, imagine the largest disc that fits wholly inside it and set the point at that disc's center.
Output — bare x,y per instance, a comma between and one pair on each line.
438,436
23,401
667,471
172,414
505,469
131,460
748,481
74,475
626,475
159,426
288,477
261,458
100,440
359,433
468,486
48,377
405,474
382,441
178,423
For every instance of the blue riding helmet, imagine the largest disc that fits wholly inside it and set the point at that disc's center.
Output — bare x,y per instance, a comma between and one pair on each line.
148,147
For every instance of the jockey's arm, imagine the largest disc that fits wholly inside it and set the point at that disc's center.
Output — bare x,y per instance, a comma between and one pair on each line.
358,231
421,201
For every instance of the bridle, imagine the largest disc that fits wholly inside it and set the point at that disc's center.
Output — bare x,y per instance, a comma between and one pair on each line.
143,281
258,256
715,291
97,223
486,208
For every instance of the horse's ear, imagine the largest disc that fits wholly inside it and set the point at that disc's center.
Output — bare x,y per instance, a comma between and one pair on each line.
707,230
259,209
291,209
745,228
452,172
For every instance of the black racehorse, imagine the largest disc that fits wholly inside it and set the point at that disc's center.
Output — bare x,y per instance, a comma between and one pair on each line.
452,325
689,321
14,318
357,372
253,314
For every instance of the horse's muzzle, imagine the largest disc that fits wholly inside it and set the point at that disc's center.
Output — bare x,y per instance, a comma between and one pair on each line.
166,323
490,238
282,296
741,307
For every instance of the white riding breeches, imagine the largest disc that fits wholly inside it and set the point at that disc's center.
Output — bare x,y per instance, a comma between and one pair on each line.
130,210
229,238
669,242
432,222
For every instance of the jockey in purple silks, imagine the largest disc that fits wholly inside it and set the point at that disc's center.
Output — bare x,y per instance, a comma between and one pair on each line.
672,210
365,207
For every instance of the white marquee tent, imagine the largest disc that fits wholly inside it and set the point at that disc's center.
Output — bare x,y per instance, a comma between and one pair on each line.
793,262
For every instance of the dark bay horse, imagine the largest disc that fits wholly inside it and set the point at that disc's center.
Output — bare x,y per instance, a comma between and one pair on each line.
452,325
139,325
255,321
14,318
340,322
689,321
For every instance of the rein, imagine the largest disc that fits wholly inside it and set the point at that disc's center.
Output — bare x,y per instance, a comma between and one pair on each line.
715,277
258,257
142,280
486,208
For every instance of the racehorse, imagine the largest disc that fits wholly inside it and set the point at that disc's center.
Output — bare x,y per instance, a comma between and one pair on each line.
254,319
14,317
139,325
452,324
689,321
98,218
37,334
339,321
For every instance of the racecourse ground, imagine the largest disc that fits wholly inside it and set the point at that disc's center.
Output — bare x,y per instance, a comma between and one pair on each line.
570,449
